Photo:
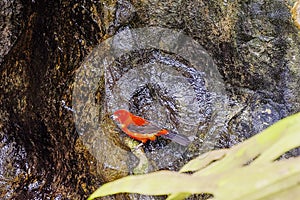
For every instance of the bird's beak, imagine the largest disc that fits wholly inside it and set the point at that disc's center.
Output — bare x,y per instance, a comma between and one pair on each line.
114,117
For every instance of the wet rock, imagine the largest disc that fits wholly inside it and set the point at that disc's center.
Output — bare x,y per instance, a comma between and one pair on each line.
41,149
10,25
169,87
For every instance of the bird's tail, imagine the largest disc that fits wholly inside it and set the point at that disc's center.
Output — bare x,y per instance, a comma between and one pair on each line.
178,138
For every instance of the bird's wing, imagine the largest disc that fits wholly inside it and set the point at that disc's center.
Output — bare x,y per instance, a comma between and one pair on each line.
139,120
144,129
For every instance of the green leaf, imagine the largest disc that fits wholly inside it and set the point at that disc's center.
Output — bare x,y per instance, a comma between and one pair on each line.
252,182
264,181
156,183
285,133
204,160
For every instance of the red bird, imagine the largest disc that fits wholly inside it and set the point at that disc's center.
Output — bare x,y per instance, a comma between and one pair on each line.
142,130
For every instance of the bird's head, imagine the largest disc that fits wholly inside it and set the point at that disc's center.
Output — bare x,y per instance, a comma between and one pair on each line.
120,115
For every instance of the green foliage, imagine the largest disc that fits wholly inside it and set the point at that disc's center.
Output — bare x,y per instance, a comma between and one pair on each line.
248,170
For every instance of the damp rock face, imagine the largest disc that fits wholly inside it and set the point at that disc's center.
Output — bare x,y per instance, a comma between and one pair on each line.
151,73
219,71
10,25
41,156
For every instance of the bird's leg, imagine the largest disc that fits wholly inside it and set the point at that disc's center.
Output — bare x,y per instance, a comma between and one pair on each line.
138,146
